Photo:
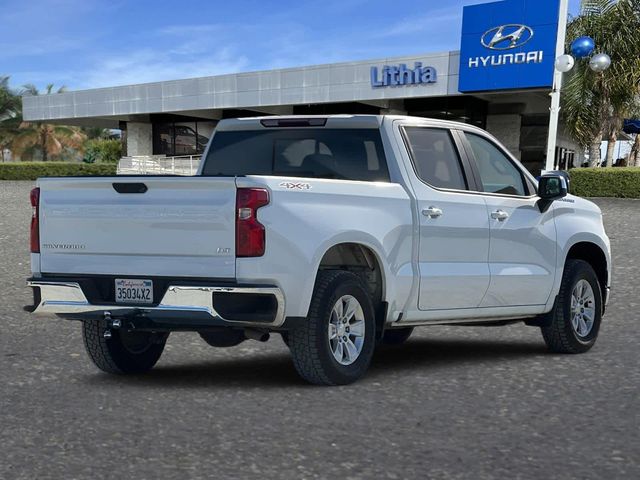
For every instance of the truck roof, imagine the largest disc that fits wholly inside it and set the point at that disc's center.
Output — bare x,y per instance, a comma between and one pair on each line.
329,121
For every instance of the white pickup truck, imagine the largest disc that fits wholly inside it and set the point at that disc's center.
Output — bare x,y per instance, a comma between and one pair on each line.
337,232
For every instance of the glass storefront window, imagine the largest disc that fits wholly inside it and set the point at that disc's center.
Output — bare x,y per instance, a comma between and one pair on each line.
163,138
185,138
181,138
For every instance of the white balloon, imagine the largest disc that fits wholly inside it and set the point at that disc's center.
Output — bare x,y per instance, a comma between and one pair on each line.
564,63
600,62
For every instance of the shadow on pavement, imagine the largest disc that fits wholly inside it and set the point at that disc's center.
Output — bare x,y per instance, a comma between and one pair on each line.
432,354
277,370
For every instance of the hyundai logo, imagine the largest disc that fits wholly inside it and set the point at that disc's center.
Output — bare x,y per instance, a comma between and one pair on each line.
507,36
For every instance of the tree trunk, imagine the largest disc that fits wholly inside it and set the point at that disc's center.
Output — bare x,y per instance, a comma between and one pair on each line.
594,153
43,145
634,156
611,147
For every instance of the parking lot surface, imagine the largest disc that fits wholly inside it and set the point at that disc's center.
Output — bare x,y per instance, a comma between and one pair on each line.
451,403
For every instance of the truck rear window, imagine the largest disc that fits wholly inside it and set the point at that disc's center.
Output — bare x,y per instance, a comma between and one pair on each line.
346,154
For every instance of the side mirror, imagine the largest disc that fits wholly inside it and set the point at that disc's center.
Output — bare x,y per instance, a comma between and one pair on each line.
551,187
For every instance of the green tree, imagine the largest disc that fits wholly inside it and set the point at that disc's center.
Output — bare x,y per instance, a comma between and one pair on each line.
10,117
8,101
94,133
594,105
47,139
102,150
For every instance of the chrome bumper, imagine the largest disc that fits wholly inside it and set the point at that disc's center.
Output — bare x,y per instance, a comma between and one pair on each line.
67,298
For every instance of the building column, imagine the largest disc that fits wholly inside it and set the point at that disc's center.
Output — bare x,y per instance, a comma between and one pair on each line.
506,128
394,107
139,139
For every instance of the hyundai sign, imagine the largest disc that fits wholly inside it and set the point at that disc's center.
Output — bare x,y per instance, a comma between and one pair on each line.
508,45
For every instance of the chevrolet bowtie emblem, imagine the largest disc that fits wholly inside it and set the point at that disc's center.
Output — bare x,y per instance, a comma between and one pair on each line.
506,37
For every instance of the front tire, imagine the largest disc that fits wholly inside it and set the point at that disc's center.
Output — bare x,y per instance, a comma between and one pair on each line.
335,344
576,316
123,353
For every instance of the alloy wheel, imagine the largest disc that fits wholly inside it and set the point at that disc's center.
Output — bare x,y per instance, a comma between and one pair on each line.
346,330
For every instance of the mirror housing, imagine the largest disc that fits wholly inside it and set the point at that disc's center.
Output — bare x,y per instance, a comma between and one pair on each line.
552,187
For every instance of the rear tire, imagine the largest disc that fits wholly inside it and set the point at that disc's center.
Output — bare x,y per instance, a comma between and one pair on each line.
575,319
396,336
335,344
123,353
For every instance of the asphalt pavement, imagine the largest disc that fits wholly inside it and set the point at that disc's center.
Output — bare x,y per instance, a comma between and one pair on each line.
453,402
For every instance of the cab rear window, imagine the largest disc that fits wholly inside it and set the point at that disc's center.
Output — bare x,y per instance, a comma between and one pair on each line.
344,154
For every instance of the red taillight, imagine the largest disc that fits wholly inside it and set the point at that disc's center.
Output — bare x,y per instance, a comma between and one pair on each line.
35,220
250,235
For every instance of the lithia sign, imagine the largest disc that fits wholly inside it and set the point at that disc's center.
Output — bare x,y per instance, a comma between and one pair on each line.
398,75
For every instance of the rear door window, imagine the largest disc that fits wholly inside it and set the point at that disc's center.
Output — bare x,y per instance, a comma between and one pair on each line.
435,158
344,154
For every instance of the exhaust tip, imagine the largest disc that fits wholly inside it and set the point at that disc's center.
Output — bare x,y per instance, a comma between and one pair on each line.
257,335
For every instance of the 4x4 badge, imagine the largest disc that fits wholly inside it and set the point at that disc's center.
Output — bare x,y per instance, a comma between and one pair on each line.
296,185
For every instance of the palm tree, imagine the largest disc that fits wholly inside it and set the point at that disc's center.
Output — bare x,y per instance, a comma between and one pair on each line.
8,101
50,140
9,115
595,104
96,133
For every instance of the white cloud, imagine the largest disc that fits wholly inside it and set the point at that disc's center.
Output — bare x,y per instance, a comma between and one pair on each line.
424,23
142,66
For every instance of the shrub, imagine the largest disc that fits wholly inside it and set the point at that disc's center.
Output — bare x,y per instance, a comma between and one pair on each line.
622,182
102,150
33,170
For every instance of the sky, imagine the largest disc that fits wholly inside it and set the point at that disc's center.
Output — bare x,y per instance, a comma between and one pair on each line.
87,44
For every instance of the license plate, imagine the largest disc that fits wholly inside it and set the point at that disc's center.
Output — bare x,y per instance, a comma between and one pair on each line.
134,291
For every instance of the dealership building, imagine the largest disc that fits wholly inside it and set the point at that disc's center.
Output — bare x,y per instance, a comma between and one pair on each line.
500,79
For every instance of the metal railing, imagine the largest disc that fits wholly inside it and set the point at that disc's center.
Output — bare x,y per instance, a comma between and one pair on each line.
159,165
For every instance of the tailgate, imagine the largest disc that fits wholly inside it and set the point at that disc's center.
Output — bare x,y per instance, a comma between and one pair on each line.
148,226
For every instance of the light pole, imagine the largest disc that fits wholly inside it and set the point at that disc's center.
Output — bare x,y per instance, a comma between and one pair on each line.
581,48
554,110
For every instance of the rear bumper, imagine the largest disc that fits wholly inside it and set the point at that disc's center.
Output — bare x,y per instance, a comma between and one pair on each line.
181,305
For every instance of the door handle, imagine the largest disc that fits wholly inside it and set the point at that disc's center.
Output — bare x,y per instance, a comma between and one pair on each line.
432,212
129,187
499,215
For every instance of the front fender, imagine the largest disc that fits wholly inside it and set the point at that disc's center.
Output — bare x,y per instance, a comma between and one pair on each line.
577,220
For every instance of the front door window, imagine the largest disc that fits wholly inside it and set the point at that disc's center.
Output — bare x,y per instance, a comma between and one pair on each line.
497,173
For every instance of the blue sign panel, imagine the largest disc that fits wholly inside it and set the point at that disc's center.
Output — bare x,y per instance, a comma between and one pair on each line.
508,45
397,75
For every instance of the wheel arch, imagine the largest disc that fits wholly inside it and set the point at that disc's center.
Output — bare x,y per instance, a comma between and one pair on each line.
360,258
595,256
365,260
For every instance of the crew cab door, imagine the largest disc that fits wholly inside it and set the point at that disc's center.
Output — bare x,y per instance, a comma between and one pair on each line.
453,223
522,253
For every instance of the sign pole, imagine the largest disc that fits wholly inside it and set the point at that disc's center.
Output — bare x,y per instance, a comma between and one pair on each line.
557,86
